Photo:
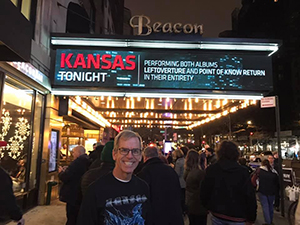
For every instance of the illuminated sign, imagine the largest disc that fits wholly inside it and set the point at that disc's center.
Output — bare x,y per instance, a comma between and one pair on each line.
158,69
142,22
30,71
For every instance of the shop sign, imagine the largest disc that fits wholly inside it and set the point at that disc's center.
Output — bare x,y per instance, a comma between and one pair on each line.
144,28
30,71
143,69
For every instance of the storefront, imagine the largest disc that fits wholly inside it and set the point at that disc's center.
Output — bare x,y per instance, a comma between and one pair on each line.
23,93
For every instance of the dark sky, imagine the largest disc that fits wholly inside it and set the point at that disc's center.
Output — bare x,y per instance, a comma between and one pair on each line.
215,15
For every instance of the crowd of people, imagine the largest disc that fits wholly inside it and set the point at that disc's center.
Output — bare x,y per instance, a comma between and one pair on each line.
123,183
130,184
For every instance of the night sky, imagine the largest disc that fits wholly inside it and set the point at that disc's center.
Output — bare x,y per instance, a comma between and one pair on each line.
215,15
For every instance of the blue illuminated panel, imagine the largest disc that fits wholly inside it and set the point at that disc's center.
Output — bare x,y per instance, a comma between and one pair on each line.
142,69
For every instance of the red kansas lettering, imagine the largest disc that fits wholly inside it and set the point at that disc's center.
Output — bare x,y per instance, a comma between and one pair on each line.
65,60
80,61
91,60
130,60
107,62
118,62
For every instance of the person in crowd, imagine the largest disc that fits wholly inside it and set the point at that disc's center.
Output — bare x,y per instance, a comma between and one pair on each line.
243,163
227,191
95,156
194,176
202,160
210,156
107,165
70,191
170,156
119,197
8,204
164,189
267,180
185,150
274,163
178,159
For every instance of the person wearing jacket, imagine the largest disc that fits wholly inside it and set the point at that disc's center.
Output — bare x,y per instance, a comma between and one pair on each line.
164,189
268,185
107,165
8,204
178,159
70,191
194,176
227,191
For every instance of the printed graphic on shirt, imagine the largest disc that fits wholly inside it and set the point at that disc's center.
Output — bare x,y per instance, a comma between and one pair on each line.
125,210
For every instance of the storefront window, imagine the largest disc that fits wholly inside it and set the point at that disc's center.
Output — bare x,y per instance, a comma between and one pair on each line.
15,125
36,137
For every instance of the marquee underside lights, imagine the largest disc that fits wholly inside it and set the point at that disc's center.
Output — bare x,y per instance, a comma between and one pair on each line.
220,44
155,95
85,110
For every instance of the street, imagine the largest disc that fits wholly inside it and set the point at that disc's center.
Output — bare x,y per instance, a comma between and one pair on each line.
54,214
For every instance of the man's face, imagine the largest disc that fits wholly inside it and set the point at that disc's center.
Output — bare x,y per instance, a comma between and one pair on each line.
271,159
126,164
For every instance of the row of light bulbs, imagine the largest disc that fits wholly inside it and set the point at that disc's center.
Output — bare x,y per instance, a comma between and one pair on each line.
242,105
150,103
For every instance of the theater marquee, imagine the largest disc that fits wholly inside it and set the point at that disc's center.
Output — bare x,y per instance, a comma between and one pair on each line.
160,69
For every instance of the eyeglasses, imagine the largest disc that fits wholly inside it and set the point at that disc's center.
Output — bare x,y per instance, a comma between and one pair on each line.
134,151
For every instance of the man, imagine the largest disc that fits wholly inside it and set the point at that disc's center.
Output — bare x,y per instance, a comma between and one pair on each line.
164,189
70,191
8,205
118,197
274,163
210,156
227,191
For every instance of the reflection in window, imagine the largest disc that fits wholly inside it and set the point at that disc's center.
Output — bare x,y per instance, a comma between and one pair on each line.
15,130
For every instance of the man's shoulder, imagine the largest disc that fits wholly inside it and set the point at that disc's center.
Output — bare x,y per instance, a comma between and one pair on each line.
138,181
105,179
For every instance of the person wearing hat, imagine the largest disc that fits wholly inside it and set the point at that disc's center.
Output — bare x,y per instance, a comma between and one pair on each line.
107,165
8,204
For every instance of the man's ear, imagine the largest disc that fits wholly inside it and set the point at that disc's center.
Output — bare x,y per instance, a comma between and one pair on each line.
114,154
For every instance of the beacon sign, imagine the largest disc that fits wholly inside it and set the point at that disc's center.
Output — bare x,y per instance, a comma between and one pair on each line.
161,69
144,27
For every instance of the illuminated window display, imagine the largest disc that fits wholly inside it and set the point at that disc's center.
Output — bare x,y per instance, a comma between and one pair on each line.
19,157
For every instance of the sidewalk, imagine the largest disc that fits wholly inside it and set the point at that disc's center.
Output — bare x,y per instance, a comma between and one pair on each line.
55,214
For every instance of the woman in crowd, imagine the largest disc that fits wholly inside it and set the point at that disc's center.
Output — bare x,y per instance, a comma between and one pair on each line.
194,176
178,159
268,183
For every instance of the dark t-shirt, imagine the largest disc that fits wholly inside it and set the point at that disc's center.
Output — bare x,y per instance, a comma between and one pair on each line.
110,201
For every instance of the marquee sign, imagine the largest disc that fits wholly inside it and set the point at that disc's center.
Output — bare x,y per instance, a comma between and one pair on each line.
148,69
143,23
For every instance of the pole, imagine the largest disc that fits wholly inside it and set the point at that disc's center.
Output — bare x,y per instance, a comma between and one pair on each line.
279,156
229,127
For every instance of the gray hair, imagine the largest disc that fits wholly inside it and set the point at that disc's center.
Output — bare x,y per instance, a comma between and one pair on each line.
151,152
80,149
126,135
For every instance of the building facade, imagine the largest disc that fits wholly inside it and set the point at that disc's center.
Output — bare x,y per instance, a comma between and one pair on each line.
30,120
